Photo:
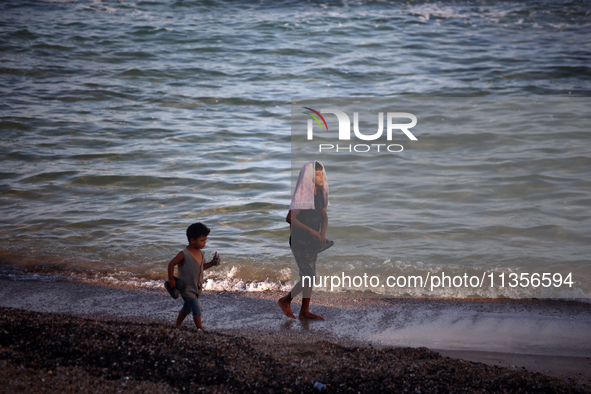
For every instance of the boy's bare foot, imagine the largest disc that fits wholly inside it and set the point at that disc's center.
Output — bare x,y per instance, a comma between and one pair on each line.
286,307
197,320
311,316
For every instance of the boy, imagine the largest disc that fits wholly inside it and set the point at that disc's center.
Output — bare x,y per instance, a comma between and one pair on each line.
191,265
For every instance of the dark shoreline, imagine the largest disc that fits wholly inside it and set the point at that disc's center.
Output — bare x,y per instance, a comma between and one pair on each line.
338,350
61,350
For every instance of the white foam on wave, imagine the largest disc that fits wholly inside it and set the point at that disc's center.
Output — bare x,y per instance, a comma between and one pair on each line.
426,12
230,280
224,282
238,285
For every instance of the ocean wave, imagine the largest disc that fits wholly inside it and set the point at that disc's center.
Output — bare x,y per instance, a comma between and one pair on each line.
228,281
109,152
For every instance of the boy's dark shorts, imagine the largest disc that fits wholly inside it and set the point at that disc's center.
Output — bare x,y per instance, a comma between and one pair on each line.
192,305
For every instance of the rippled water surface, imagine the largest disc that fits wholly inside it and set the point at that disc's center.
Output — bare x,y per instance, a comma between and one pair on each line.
122,122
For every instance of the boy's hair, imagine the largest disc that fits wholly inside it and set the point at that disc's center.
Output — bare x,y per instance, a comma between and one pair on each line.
318,166
197,230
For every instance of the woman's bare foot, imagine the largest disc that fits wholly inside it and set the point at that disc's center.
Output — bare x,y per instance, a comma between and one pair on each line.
305,310
285,304
308,315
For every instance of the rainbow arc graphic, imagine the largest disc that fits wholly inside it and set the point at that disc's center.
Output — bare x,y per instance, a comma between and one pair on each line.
315,115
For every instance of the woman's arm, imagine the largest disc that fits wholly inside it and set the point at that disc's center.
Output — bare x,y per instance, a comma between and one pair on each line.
324,226
302,226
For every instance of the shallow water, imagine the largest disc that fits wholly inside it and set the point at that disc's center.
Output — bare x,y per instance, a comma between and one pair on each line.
542,327
123,122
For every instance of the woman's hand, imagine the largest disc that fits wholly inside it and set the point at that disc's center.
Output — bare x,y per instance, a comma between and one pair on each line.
172,282
319,236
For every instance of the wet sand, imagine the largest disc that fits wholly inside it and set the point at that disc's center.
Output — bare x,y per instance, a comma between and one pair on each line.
68,334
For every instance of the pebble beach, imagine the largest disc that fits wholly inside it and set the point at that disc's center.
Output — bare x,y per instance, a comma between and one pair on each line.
123,122
46,352
78,337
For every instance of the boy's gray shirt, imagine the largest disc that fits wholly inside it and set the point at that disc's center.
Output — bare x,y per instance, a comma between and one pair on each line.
191,273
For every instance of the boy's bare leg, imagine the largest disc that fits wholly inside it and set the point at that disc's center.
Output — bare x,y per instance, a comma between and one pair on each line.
197,320
181,317
305,311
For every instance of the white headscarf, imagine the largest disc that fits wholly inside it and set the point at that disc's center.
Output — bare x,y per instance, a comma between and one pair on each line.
303,196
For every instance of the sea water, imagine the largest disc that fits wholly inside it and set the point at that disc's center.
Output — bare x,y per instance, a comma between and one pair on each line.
122,122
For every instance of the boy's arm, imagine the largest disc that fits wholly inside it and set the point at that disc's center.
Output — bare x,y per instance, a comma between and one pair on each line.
213,262
176,260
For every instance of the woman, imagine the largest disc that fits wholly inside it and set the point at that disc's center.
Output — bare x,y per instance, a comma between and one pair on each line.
308,233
